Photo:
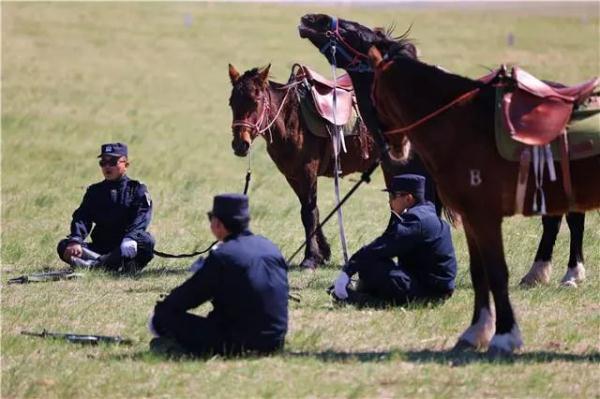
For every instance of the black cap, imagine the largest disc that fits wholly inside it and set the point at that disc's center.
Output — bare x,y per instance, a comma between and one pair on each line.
228,207
409,183
113,149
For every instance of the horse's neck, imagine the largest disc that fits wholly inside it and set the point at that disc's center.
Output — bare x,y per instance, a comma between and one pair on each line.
277,110
362,83
424,89
284,116
419,90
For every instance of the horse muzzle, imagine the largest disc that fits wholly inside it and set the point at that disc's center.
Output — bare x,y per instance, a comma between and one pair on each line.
240,147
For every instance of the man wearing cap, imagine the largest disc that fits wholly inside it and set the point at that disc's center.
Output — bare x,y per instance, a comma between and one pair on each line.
119,209
244,277
418,238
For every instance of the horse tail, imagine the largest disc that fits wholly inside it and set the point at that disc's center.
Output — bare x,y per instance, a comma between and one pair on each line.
452,217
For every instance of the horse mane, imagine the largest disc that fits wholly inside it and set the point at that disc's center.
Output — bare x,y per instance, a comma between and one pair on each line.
392,45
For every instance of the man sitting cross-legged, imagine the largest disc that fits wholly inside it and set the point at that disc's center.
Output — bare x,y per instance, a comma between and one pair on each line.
120,210
418,238
245,278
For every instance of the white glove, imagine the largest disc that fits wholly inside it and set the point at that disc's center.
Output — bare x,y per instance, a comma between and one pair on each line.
151,326
128,248
340,284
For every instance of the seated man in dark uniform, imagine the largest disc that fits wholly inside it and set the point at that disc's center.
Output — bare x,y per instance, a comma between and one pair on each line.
418,238
245,278
121,209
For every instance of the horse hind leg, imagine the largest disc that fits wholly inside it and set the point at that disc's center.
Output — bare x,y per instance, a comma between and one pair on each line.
479,334
323,243
539,273
305,187
575,271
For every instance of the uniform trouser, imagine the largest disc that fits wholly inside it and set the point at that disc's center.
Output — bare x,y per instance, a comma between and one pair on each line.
202,336
387,281
145,248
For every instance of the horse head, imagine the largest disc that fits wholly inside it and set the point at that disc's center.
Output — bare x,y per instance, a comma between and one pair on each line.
350,45
346,43
249,104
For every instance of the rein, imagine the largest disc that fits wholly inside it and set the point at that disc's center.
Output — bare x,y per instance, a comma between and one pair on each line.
360,60
172,256
435,113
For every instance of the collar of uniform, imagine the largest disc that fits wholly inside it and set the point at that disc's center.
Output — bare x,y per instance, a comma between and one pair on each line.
397,215
122,179
246,232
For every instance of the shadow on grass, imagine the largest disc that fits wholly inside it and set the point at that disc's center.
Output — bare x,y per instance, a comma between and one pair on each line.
164,271
327,266
443,357
455,359
148,273
449,357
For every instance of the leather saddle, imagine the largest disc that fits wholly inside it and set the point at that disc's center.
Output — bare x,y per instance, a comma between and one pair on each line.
322,90
536,112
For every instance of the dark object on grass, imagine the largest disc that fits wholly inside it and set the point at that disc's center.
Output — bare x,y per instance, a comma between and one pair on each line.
45,276
86,339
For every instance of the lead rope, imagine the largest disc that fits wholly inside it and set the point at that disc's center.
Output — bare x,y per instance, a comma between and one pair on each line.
337,139
246,187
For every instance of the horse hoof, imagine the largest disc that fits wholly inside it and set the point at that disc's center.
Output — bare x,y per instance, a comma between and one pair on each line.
538,274
495,352
506,343
463,346
575,276
569,284
308,264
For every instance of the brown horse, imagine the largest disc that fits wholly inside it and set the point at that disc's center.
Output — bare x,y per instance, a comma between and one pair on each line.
265,108
458,149
316,27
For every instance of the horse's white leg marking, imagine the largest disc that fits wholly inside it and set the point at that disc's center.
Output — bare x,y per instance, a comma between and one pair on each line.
507,343
479,334
574,276
538,274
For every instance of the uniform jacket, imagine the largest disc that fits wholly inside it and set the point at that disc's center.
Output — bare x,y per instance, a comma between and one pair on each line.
118,209
422,243
246,279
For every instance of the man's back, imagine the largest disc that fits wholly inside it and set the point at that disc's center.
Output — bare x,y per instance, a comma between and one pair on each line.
432,259
252,294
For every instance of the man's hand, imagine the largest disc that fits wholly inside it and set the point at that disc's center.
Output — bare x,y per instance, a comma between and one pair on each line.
340,285
73,249
128,248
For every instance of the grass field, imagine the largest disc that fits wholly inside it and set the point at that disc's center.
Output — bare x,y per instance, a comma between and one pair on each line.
75,75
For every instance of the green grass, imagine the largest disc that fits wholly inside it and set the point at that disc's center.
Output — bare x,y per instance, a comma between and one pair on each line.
75,75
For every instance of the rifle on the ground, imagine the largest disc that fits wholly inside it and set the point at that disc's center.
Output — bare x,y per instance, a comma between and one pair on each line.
87,339
45,276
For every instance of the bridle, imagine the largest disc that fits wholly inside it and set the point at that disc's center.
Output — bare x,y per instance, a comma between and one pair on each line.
358,61
264,114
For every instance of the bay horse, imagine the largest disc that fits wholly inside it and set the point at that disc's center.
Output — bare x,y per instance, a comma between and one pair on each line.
257,103
458,148
319,30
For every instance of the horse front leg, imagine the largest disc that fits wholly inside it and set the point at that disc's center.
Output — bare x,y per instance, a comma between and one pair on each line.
575,271
305,187
482,327
489,239
540,270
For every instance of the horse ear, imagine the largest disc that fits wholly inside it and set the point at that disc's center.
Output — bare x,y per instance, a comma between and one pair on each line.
234,75
263,74
375,56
